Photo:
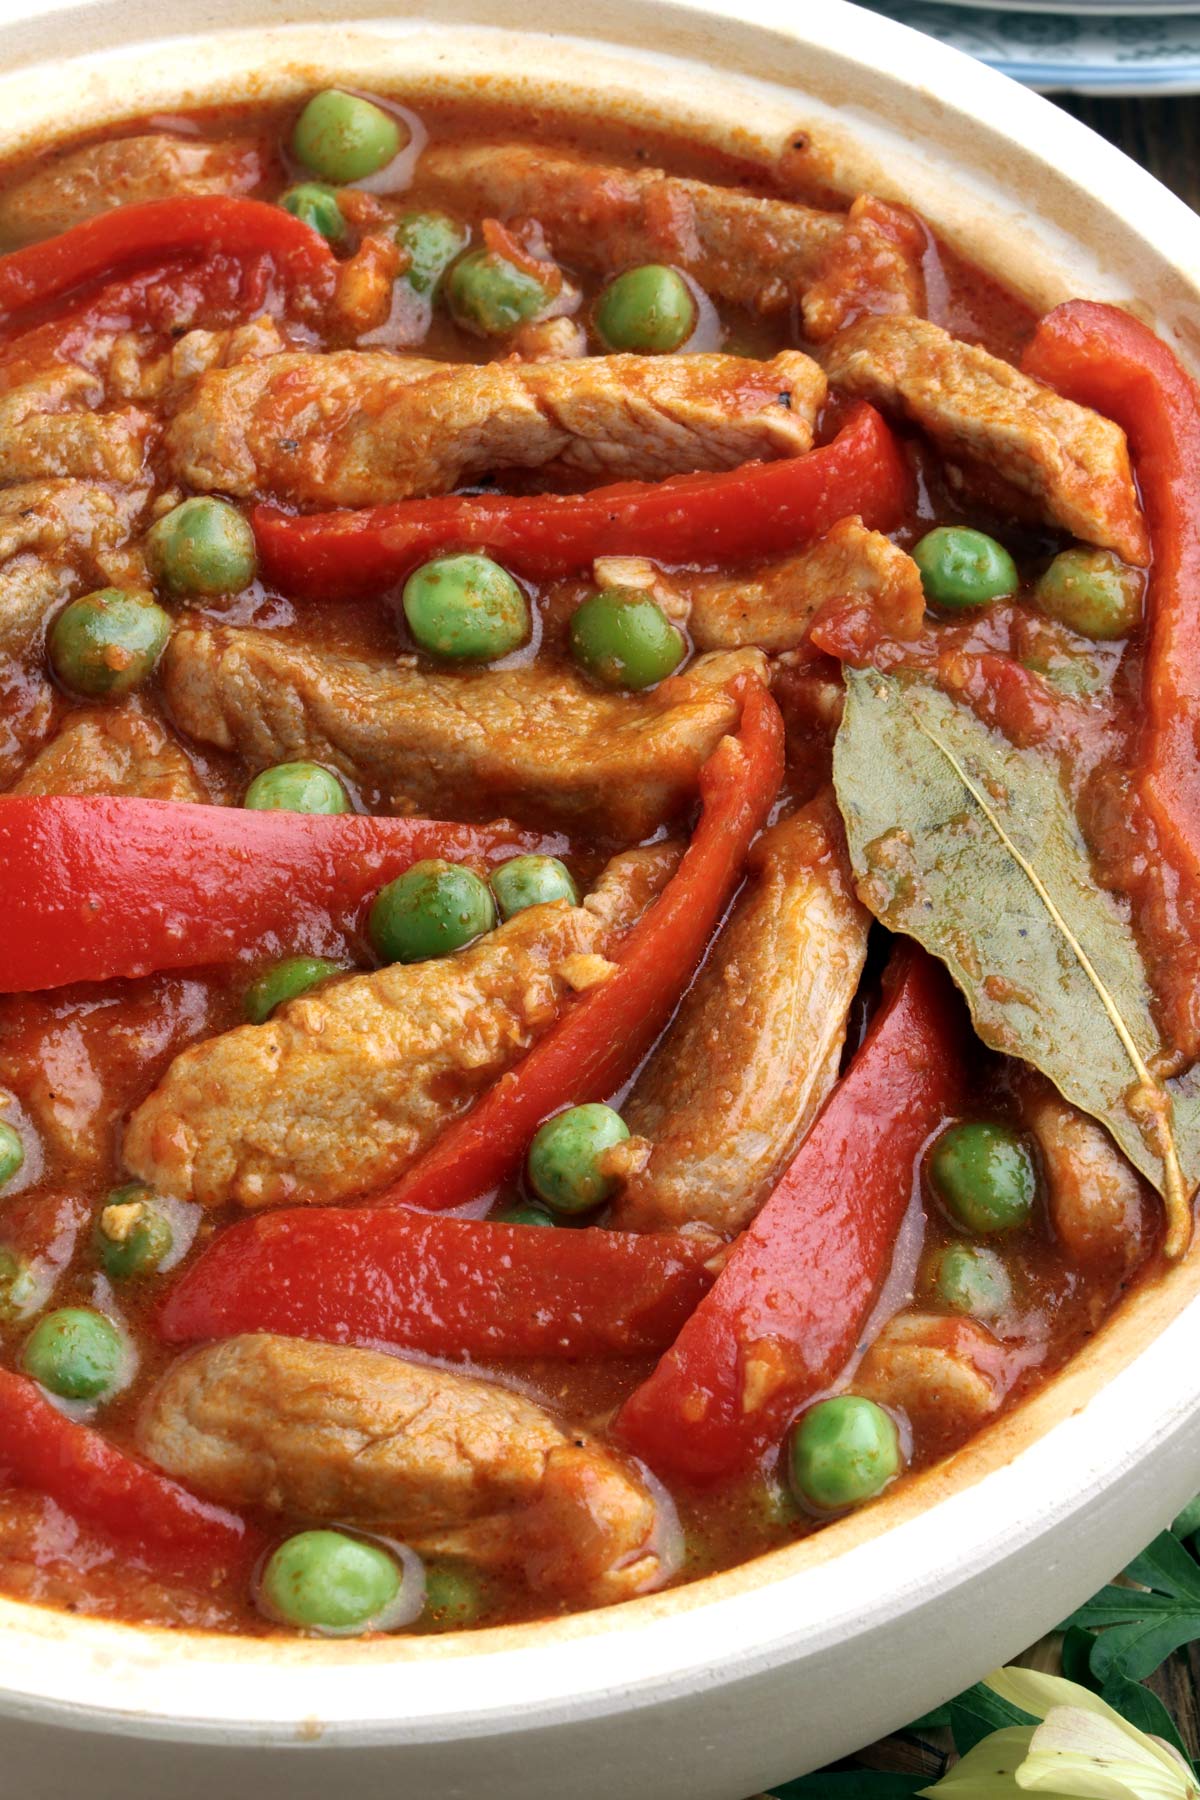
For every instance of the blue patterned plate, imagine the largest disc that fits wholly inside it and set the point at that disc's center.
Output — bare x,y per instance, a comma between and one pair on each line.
1125,8
1066,52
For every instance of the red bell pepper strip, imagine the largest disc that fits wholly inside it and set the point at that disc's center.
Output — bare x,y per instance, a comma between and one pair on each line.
1106,359
451,1287
92,888
758,510
597,1044
149,1517
202,226
166,298
786,1310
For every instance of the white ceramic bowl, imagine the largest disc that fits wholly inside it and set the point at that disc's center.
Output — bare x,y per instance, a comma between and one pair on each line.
742,1680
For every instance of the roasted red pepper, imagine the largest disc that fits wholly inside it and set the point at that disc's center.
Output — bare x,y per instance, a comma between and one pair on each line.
759,510
451,1287
787,1309
148,1517
595,1047
94,888
1104,358
200,227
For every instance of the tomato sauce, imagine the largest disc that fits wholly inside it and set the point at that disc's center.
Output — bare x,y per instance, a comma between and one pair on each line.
76,1061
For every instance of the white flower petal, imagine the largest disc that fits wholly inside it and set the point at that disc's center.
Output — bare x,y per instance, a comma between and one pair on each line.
1076,1752
1036,1693
988,1772
1173,1753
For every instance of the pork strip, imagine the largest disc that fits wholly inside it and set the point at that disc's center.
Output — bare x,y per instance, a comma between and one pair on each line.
50,427
79,519
134,367
533,742
740,248
754,1048
120,750
946,1376
355,1436
55,538
1072,462
341,1089
873,266
774,606
31,591
1099,1207
356,428
150,166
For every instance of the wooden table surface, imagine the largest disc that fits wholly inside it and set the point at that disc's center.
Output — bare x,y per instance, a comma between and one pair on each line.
1163,135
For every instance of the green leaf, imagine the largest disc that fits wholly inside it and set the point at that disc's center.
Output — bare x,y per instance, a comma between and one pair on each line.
1141,1629
977,1712
971,845
1077,1647
1118,1606
1138,1649
1188,1521
935,1720
851,1784
1166,1567
1143,1709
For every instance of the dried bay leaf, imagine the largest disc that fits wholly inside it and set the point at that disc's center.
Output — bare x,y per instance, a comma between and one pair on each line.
970,844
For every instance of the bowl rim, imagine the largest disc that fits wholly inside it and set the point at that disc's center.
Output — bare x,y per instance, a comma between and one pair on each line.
1113,1406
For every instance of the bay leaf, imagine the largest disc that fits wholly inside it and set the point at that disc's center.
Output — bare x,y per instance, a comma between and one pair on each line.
970,844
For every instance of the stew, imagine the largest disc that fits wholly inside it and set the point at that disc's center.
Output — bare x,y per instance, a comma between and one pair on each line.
598,835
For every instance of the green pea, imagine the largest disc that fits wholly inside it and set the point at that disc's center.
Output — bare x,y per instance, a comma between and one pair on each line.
343,137
133,1235
202,546
969,1279
302,787
465,608
1093,592
107,642
984,1176
433,240
650,310
841,1452
315,204
12,1153
624,640
531,881
284,981
960,567
326,1581
489,296
564,1157
433,908
75,1353
524,1213
22,1287
453,1598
